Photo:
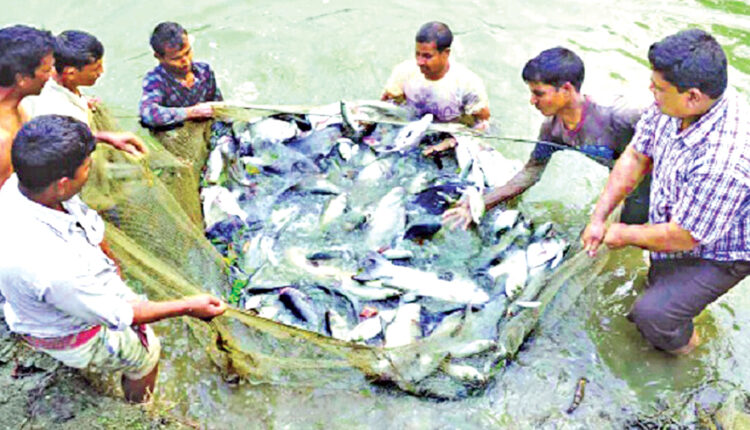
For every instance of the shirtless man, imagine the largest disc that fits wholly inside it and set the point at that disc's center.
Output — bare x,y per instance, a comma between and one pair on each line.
26,62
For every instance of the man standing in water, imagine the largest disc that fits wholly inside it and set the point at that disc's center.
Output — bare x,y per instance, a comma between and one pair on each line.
79,63
26,63
434,84
554,78
63,293
696,139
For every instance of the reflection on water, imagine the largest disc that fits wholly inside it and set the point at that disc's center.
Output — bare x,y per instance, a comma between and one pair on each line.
301,52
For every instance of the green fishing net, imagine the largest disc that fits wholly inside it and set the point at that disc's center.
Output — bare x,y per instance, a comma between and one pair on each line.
154,225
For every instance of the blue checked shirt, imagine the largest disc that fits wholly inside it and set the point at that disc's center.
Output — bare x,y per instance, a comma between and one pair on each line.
165,100
701,177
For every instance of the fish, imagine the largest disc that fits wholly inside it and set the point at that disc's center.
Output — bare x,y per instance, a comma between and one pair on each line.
366,330
498,222
300,305
219,204
375,171
336,325
577,396
419,282
410,135
474,347
354,127
388,220
369,293
405,328
515,271
464,373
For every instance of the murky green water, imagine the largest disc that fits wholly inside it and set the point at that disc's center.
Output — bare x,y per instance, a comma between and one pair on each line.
308,52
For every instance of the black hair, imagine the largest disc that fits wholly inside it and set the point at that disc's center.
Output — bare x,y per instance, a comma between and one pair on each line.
48,148
77,49
22,49
167,34
555,66
437,32
691,59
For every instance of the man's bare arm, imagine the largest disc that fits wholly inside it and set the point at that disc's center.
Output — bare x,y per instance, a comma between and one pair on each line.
629,169
202,306
6,168
664,237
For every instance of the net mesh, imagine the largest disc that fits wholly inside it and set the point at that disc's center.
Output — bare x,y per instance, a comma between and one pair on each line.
155,228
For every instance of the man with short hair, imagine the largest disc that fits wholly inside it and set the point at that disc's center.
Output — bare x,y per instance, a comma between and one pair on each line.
696,138
26,63
79,63
601,132
63,293
437,85
178,89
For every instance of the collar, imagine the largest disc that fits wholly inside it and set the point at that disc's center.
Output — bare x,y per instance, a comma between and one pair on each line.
64,224
53,86
697,131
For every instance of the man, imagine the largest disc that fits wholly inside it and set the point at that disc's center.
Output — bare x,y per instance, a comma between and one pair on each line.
25,65
696,138
178,89
434,84
79,63
63,294
554,78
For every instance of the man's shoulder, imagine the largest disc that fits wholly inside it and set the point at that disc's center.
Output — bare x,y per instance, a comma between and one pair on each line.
202,69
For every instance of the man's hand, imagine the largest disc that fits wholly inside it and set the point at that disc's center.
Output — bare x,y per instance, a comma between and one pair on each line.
593,236
124,141
93,103
615,237
445,144
205,307
200,111
458,216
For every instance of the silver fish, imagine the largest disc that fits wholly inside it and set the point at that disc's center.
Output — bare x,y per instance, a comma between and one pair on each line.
405,327
410,135
419,282
388,221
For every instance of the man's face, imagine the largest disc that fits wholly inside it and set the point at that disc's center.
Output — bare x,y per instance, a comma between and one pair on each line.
177,61
87,75
432,63
667,97
76,183
32,85
547,98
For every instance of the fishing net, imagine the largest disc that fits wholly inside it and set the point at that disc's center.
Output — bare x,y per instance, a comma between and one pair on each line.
155,228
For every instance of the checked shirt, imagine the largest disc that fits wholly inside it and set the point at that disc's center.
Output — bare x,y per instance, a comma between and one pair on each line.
165,100
701,177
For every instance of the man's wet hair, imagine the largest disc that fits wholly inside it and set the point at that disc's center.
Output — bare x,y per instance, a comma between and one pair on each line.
167,35
437,32
48,148
22,49
691,59
555,66
77,49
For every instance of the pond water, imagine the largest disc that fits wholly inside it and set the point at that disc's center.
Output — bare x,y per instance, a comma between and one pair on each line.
317,52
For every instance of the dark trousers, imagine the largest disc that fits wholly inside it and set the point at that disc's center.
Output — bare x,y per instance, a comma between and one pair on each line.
677,291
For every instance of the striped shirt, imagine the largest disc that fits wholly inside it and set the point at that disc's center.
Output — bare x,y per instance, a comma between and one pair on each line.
701,177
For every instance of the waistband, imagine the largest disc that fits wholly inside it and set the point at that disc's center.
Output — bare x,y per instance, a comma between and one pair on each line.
64,342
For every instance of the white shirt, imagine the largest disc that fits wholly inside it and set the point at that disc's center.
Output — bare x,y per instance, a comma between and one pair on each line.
57,100
458,92
54,277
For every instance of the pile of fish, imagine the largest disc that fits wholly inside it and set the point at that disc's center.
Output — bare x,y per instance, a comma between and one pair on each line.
332,223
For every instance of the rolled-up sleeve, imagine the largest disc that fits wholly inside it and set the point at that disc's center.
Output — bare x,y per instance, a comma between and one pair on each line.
710,205
84,298
645,132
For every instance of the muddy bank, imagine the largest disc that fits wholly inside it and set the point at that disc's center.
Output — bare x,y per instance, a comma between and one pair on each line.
36,392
